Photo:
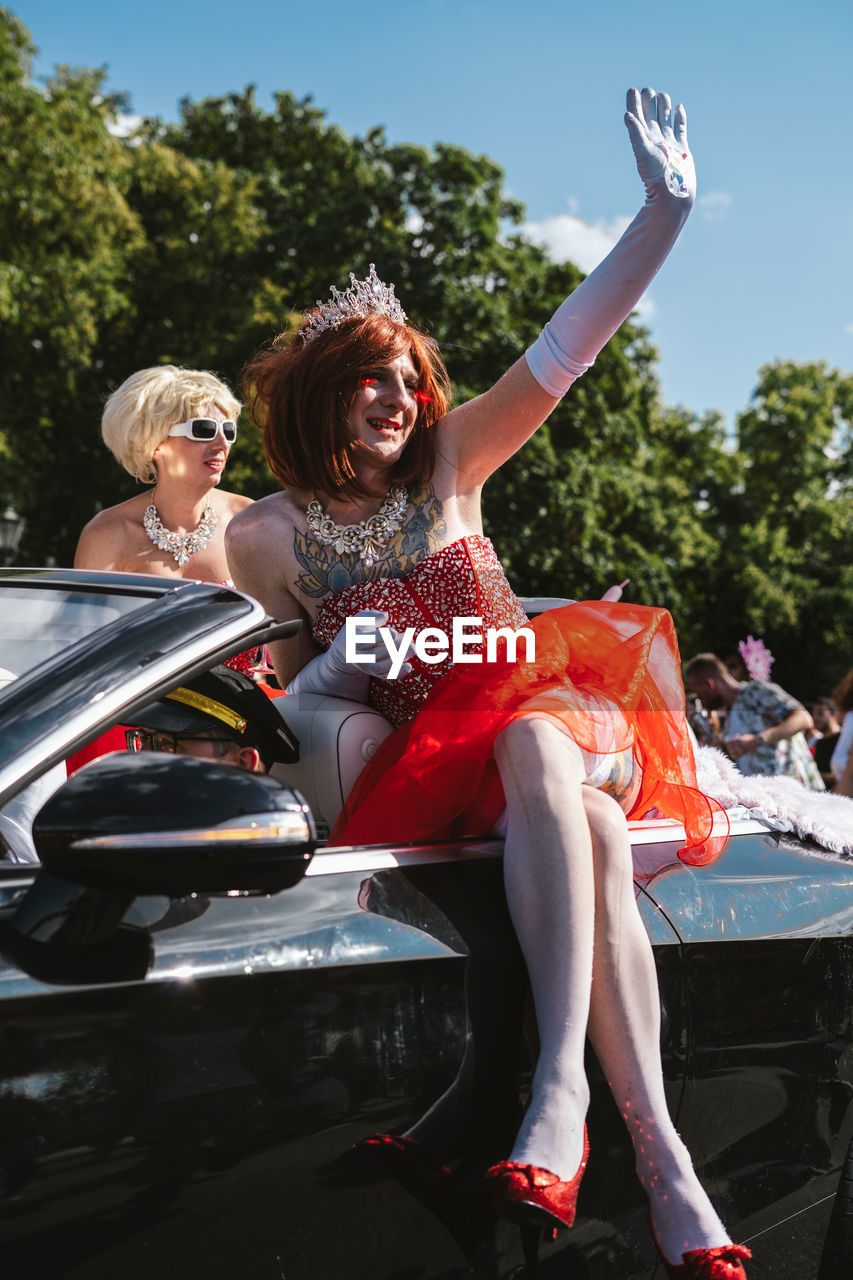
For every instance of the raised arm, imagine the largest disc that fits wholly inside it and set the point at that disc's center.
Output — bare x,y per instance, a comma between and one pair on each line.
485,432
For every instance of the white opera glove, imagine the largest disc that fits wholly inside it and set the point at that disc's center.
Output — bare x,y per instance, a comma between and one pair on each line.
330,672
659,138
589,317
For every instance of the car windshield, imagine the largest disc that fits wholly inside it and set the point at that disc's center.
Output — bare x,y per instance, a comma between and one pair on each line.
36,623
78,649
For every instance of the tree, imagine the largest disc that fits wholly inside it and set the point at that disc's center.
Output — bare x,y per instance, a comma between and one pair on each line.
115,256
790,557
197,242
65,233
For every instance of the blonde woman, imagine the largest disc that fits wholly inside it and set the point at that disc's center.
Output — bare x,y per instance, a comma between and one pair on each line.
172,429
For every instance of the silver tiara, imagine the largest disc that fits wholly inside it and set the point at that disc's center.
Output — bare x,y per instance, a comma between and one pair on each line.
368,297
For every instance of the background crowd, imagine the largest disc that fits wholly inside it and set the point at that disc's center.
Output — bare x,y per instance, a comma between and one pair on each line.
734,706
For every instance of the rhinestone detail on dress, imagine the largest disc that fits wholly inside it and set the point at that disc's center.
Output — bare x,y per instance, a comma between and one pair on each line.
462,580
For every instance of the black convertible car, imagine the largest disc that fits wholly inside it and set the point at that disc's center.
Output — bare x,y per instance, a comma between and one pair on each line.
205,1008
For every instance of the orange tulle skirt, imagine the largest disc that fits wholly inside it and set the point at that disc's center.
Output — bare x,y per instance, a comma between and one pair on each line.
435,778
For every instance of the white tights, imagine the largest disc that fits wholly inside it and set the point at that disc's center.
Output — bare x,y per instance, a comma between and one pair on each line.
569,885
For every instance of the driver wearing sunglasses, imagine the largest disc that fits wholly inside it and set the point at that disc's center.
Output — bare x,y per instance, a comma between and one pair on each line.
221,715
183,744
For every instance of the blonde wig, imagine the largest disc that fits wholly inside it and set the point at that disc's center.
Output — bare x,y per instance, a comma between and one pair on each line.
138,415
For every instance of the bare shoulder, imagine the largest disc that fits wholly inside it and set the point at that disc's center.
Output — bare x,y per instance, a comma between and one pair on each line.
251,537
255,521
253,544
257,541
104,540
129,511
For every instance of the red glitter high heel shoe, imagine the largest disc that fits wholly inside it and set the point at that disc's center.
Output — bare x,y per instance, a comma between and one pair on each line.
531,1195
722,1263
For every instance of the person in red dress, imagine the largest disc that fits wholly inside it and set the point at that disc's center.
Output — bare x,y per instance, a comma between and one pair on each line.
376,542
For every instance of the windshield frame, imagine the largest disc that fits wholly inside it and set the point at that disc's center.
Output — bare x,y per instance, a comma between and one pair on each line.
60,705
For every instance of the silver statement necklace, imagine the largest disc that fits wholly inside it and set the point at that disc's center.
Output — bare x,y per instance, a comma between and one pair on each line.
181,548
367,538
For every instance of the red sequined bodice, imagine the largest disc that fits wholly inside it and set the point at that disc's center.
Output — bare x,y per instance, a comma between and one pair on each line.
462,580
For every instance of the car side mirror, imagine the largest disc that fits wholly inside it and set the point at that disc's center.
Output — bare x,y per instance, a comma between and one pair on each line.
167,824
133,824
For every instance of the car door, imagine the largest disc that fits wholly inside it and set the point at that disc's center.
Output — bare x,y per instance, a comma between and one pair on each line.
204,1116
767,1111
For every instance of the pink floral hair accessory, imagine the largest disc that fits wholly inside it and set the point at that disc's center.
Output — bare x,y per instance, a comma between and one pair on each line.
757,658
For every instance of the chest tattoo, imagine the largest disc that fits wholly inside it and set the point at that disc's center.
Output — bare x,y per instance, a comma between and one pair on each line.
324,572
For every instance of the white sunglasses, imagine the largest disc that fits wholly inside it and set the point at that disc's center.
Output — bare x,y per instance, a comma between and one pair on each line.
205,429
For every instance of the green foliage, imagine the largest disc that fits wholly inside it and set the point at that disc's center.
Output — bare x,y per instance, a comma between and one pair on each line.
195,243
790,559
66,231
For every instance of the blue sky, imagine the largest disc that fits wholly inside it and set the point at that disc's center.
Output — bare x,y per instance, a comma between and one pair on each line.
764,269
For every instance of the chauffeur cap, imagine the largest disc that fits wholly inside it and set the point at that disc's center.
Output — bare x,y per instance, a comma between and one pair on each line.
224,699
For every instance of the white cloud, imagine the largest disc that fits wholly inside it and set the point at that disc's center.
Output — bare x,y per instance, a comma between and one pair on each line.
568,238
124,125
848,328
714,205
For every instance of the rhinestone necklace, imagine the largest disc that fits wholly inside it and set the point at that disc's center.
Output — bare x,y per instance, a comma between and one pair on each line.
181,548
367,538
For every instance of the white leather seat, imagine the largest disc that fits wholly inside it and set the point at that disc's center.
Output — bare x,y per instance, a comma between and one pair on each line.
336,739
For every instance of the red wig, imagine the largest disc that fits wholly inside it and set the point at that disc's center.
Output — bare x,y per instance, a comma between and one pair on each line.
301,393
